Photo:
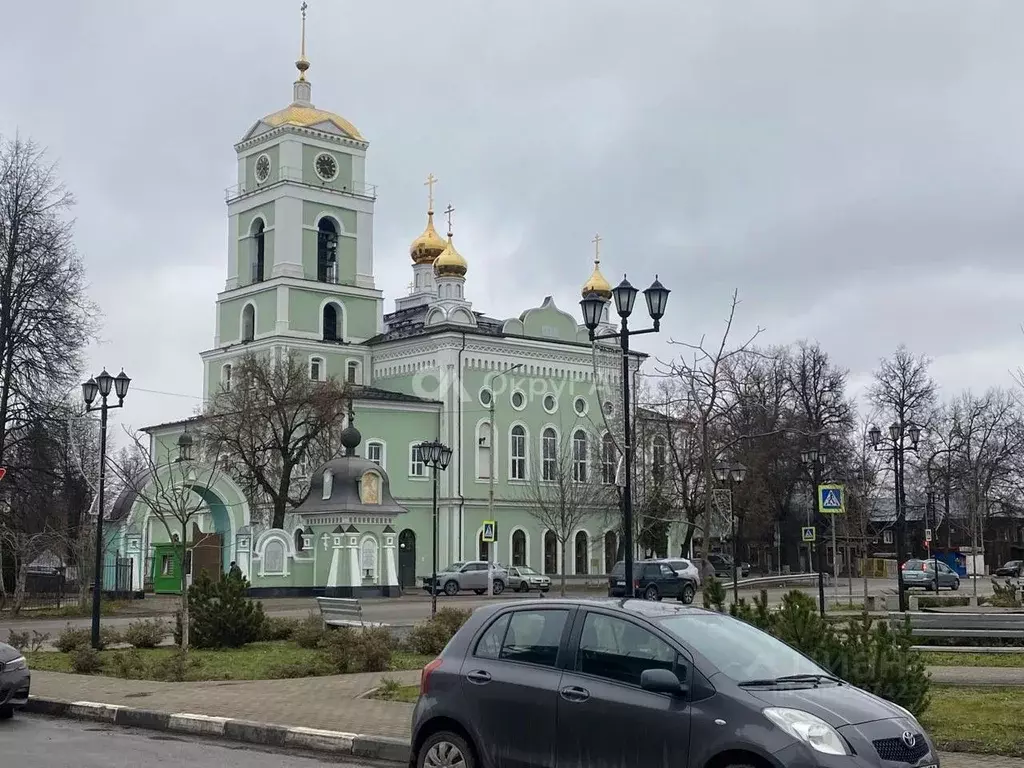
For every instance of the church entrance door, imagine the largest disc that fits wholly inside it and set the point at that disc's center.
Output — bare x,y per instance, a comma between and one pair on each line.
407,558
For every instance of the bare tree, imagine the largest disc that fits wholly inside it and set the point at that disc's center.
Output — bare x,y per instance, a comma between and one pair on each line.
269,421
560,494
862,480
167,488
46,319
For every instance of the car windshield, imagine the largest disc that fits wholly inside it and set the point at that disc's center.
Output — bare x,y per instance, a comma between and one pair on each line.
453,567
1012,564
739,650
525,570
679,565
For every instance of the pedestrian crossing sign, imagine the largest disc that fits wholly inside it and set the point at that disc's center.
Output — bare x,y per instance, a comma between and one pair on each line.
832,499
809,534
490,531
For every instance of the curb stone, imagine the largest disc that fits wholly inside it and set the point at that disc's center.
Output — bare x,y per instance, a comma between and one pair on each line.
332,742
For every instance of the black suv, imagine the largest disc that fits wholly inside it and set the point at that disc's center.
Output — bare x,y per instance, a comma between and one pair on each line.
652,580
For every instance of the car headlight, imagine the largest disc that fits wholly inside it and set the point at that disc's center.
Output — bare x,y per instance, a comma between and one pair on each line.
14,664
811,730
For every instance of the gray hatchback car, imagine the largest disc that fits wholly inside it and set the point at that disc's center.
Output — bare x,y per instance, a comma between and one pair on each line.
638,683
14,680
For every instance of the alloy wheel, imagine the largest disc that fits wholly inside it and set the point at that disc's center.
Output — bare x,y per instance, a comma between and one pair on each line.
444,754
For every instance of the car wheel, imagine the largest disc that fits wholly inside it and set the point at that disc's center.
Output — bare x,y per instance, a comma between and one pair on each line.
479,591
956,585
6,713
445,750
523,587
451,588
651,593
498,586
688,593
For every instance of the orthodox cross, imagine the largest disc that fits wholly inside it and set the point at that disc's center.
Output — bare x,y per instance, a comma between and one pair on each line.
597,249
410,286
429,184
448,213
302,64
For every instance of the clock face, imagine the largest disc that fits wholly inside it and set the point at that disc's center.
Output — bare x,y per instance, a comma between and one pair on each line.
262,168
326,166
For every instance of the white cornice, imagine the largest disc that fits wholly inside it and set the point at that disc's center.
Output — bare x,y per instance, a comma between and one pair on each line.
307,285
306,133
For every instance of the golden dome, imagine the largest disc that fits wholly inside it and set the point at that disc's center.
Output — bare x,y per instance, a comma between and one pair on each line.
450,263
597,284
307,117
428,246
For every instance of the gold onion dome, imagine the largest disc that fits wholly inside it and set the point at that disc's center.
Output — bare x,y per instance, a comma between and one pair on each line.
429,245
597,284
450,263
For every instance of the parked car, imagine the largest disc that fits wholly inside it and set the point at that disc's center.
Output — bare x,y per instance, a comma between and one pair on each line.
687,571
1013,568
522,578
921,573
722,563
468,576
15,680
652,580
631,683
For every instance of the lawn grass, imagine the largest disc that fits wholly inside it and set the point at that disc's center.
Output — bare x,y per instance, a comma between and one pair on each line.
391,691
257,661
947,659
985,721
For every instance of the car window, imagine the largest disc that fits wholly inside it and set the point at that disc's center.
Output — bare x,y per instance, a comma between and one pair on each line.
489,644
534,636
650,571
454,567
667,570
619,650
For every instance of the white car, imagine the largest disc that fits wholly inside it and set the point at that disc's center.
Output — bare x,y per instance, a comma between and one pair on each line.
685,570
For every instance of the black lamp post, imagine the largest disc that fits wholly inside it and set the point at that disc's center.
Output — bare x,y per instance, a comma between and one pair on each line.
930,510
899,432
435,455
593,307
102,386
814,460
734,475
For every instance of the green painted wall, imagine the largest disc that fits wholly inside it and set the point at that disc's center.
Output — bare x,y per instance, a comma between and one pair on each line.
312,211
346,255
398,430
231,314
250,165
244,220
309,174
304,308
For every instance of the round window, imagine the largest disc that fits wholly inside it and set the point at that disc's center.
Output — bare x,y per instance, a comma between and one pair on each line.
518,400
485,396
262,168
550,403
580,406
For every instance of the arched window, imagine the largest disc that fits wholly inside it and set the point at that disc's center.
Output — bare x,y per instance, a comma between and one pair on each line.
517,453
328,484
225,377
611,550
352,372
258,251
609,459
327,251
298,539
549,454
274,558
518,547
248,323
579,456
659,449
550,552
332,328
483,451
317,369
581,545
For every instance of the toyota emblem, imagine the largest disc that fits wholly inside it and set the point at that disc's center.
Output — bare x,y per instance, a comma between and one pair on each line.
909,739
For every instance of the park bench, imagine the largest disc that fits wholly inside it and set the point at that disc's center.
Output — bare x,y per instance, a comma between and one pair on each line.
341,612
965,626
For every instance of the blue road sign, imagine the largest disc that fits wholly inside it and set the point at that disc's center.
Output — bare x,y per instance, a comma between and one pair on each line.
831,499
810,533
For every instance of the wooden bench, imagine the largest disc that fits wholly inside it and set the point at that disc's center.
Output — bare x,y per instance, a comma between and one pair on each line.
340,611
961,626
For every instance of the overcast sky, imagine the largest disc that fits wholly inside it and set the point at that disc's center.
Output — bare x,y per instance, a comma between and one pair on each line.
854,168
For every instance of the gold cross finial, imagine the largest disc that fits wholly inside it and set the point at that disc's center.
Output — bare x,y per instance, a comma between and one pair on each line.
429,184
303,63
448,213
597,249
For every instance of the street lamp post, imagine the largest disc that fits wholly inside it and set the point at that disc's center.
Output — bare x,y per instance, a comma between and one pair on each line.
932,526
897,443
102,385
593,308
734,476
435,455
814,459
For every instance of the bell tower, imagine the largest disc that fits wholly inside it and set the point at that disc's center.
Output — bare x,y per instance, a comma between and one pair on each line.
300,242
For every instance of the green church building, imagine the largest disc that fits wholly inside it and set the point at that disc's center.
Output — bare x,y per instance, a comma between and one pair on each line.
503,393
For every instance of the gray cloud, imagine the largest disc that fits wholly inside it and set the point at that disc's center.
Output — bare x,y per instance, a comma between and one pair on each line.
854,168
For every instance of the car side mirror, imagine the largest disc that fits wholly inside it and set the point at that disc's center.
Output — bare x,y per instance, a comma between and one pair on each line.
661,681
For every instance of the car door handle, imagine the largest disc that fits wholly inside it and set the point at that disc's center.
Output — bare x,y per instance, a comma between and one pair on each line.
574,693
479,677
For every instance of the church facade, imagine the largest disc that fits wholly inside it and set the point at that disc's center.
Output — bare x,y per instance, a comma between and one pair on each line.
502,393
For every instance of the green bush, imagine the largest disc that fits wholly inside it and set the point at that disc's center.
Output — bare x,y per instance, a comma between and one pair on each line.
430,637
1005,595
128,664
221,615
145,633
309,632
295,669
278,628
713,595
71,639
175,667
373,649
338,650
85,660
452,619
17,640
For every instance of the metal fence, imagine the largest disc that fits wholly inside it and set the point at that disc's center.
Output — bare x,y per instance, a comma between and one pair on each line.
55,588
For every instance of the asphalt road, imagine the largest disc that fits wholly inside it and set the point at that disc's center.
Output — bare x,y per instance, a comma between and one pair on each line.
38,742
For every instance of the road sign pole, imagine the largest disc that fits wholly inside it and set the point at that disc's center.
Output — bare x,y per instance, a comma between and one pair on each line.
835,562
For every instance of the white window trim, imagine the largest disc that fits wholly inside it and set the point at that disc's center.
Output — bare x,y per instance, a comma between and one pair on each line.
357,379
323,367
226,371
586,406
511,400
526,449
376,571
282,538
615,459
241,321
383,452
408,467
511,535
333,219
590,548
476,452
558,552
558,443
543,402
342,318
586,460
328,487
480,395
